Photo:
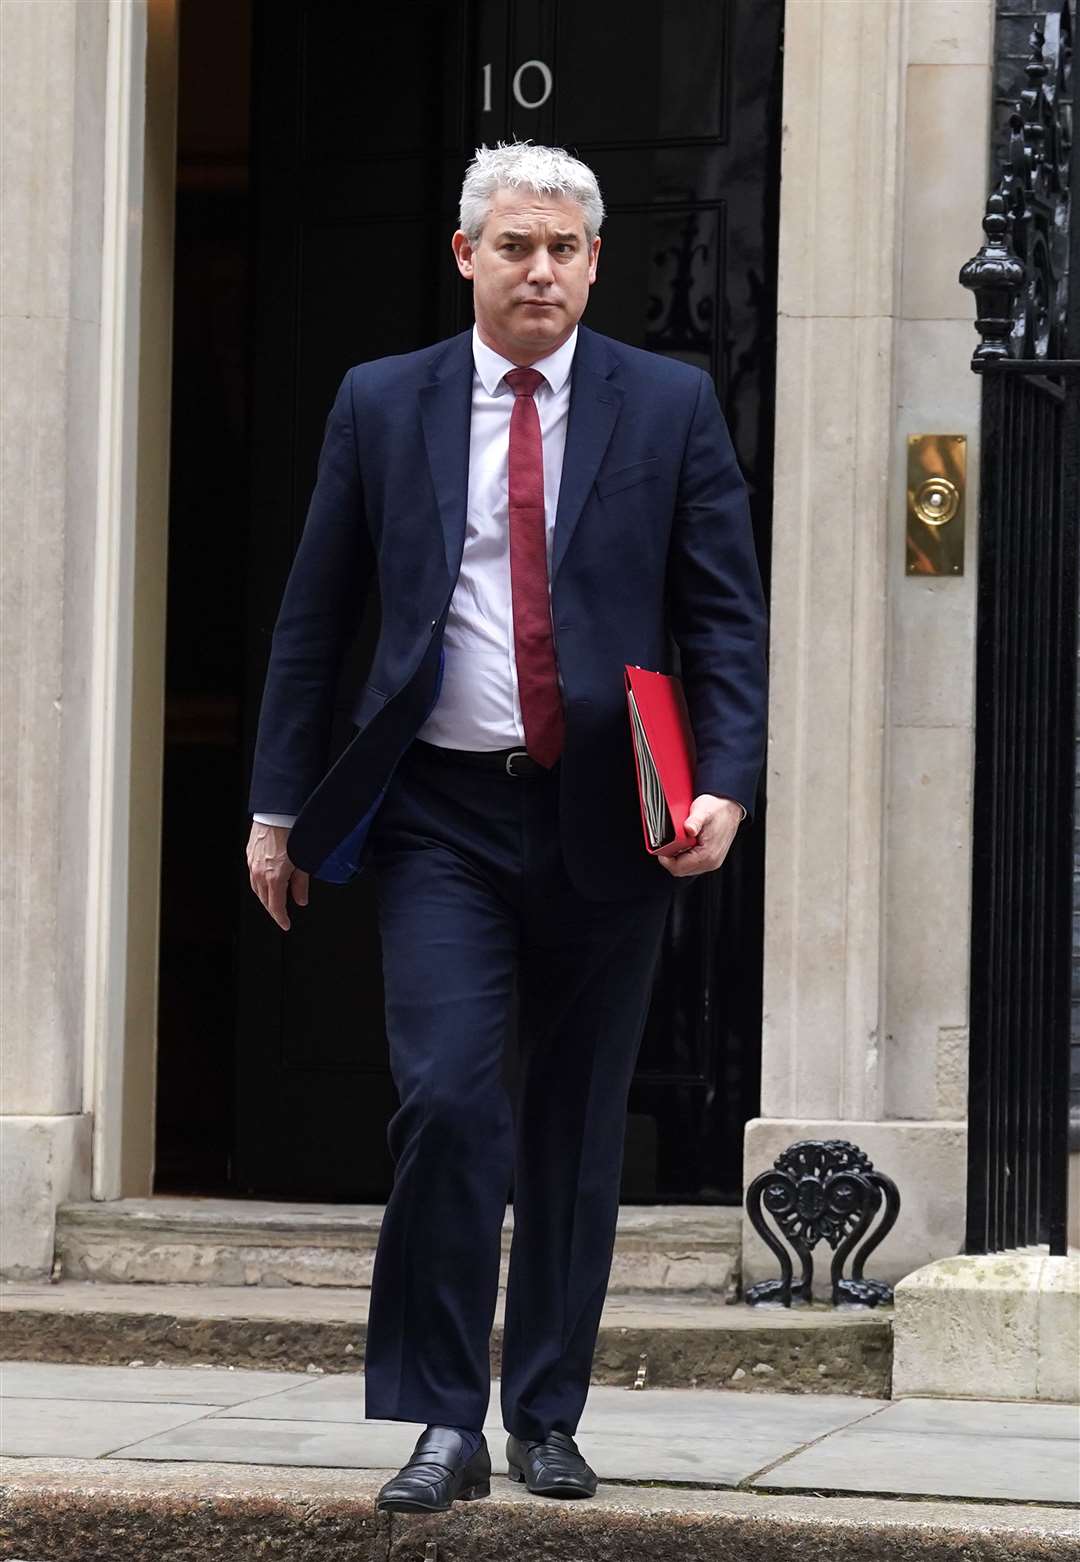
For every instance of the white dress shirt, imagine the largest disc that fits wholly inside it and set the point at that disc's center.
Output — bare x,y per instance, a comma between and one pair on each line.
478,705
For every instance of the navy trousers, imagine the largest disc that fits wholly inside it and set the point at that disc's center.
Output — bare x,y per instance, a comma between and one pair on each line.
475,907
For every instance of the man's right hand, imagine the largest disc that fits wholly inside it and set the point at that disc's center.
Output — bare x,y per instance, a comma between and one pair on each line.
272,873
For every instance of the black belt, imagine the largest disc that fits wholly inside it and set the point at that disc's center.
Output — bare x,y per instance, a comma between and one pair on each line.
510,761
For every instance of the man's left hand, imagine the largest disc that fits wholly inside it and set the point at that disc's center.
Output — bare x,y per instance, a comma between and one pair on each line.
714,821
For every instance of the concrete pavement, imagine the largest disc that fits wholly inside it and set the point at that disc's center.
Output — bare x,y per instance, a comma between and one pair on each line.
696,1470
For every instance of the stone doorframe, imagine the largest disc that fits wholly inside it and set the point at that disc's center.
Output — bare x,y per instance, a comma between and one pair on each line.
131,570
871,688
88,106
872,673
114,67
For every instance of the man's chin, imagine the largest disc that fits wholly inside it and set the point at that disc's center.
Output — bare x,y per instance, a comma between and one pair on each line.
540,325
534,331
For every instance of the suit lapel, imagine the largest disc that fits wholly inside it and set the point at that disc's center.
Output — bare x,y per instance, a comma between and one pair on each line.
594,407
446,412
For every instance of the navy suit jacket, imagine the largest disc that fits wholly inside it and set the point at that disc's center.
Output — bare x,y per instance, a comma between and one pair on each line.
652,546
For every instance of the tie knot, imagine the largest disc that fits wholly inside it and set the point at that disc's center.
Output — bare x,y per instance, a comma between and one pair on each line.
523,382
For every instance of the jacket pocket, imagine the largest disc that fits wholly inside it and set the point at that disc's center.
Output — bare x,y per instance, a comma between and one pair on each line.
366,703
627,476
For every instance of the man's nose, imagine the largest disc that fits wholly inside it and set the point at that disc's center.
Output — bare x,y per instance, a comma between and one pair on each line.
540,269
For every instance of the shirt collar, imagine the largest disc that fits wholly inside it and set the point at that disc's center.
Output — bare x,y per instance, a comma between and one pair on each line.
491,366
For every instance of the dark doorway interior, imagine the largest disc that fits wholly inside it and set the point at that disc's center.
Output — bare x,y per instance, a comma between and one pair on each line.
209,518
273,1078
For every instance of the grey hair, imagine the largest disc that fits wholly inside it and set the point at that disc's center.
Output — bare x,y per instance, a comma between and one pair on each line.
547,170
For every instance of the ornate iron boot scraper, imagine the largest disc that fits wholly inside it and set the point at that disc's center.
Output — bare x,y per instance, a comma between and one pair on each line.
823,1188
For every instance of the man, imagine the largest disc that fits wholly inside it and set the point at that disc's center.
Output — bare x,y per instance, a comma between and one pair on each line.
540,505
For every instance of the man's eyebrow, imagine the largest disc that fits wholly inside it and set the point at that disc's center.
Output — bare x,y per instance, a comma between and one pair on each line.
569,236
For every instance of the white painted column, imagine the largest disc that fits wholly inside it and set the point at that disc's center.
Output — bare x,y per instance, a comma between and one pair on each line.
884,174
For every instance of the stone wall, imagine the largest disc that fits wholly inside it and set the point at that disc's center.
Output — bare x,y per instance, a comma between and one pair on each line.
872,671
52,103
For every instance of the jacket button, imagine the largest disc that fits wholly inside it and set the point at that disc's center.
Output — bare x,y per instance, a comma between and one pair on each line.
434,621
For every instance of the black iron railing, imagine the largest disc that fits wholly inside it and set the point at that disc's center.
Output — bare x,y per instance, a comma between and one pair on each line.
1026,651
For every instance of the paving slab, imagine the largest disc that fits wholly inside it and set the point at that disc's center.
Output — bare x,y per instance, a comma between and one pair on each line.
335,1444
192,1385
172,1476
947,1448
984,1418
130,1511
82,1428
686,1412
839,1443
286,1419
699,1437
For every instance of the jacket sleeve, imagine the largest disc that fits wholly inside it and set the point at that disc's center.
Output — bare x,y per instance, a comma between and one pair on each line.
717,608
319,612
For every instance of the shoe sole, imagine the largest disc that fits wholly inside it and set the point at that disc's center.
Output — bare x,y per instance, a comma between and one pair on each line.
516,1474
403,1505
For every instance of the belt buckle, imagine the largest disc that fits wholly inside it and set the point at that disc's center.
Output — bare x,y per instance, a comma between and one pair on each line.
510,771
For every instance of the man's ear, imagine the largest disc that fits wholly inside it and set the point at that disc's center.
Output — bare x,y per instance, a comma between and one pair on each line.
593,257
463,254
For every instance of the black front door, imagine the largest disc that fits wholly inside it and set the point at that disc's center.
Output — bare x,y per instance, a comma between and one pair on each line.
359,141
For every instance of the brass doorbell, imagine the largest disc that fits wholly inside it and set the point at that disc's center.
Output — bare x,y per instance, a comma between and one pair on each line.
936,480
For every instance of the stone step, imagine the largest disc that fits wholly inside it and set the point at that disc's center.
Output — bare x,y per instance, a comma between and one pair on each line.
169,1240
664,1340
56,1510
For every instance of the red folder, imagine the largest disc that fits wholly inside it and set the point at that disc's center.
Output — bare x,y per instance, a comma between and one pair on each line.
664,757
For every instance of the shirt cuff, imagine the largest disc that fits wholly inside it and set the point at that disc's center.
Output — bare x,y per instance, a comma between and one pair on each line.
285,820
742,815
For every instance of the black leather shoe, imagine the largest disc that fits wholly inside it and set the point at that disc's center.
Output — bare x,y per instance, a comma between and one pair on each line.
437,1474
551,1467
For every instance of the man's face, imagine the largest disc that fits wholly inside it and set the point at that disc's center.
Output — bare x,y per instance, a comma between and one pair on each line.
531,270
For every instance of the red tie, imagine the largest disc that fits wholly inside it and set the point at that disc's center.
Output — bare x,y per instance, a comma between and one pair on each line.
534,647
